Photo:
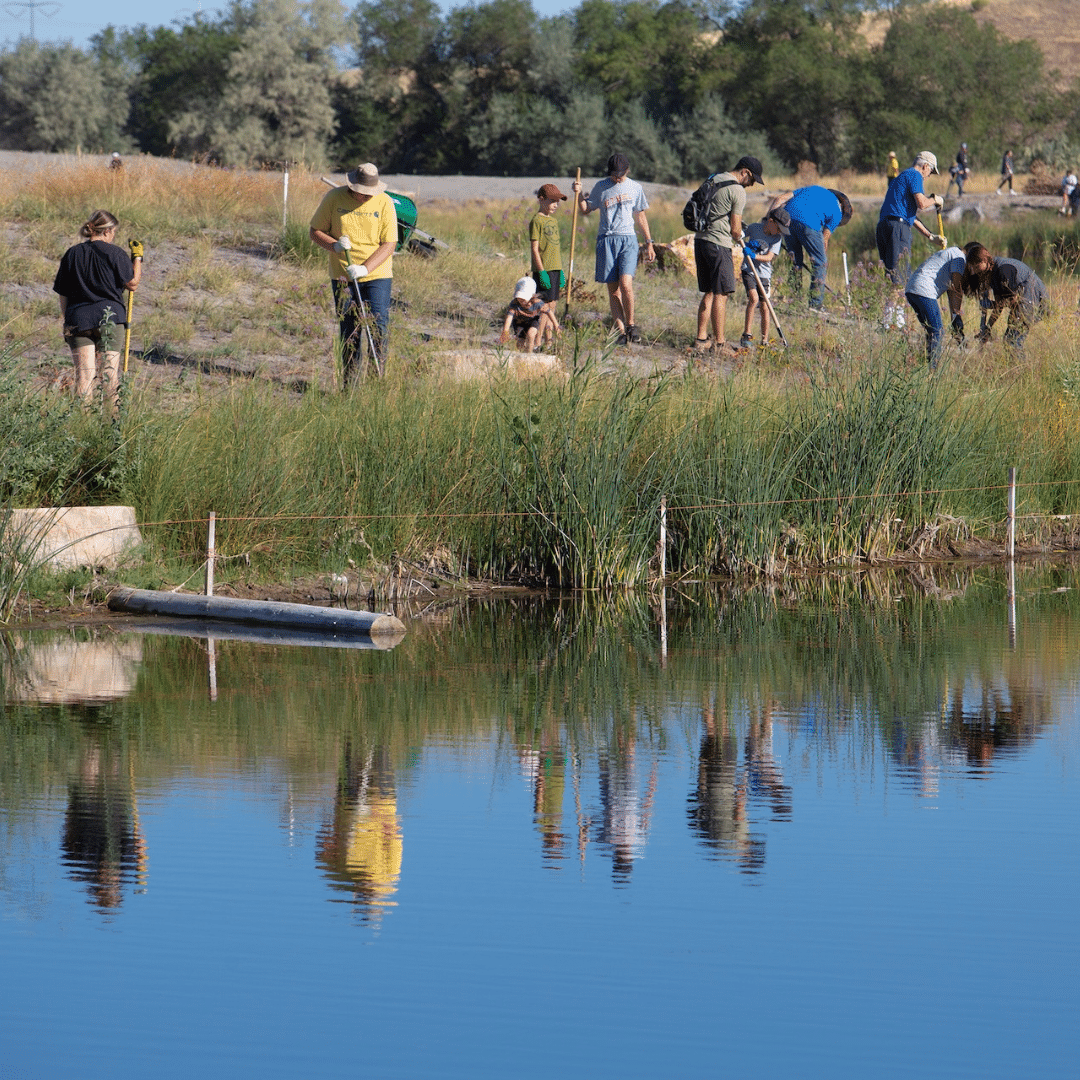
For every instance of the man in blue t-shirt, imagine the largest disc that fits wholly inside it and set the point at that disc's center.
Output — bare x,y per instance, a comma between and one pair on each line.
816,213
904,201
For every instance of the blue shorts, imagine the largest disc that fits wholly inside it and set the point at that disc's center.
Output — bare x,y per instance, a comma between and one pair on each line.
616,256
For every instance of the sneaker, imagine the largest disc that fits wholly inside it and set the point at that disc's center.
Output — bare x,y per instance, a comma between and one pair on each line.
632,335
746,342
621,340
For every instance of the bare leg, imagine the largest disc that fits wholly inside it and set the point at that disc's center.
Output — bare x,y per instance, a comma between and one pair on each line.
615,302
704,315
751,307
110,382
626,298
85,361
719,317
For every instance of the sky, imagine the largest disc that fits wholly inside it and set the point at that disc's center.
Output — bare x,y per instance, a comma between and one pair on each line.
66,20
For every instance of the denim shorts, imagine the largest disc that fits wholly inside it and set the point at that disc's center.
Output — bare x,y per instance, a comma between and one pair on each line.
616,255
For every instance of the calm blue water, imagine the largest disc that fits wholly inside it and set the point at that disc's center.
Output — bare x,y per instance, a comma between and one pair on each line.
838,837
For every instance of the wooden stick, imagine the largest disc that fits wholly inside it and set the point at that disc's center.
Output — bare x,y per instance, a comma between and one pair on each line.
573,238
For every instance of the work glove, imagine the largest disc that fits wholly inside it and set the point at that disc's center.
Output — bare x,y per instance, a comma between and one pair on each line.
543,280
136,248
342,243
958,329
941,242
939,202
749,251
562,280
355,273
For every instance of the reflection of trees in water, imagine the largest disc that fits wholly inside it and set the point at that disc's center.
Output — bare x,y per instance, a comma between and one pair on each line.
102,843
360,849
718,805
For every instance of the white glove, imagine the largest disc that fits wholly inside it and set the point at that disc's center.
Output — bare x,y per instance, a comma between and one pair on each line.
356,272
939,202
342,243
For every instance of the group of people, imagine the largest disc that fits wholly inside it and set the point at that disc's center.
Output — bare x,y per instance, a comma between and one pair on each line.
356,224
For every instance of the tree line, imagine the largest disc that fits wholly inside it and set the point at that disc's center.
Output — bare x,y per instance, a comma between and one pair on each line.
681,86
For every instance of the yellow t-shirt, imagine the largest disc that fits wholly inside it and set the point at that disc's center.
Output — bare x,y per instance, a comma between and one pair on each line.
367,225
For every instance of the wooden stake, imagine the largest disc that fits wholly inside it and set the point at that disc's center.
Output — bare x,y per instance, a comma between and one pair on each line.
573,239
210,530
1010,531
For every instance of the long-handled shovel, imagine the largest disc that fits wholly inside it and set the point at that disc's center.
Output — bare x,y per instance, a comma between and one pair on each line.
127,329
361,307
765,296
941,229
573,238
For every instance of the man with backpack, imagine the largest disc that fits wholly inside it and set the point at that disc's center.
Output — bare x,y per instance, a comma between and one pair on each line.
715,213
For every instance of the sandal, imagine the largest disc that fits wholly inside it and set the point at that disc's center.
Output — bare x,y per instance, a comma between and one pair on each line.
701,345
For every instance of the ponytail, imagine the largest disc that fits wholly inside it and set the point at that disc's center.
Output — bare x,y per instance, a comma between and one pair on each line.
100,222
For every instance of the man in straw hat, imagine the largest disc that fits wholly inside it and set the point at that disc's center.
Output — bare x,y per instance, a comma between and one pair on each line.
357,225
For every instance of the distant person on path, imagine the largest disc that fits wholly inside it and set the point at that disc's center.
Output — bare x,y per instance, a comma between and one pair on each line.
1006,172
815,214
545,250
941,275
959,171
892,169
92,283
621,201
1005,285
762,239
713,247
1068,186
357,225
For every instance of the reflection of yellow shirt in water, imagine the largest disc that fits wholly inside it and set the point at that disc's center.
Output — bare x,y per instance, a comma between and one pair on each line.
375,844
367,225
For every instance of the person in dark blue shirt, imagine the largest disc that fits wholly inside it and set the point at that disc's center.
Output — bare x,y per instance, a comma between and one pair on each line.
816,213
903,202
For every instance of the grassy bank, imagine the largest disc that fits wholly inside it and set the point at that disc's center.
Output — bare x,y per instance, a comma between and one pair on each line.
842,447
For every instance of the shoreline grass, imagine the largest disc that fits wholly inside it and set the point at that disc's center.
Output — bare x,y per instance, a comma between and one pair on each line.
842,448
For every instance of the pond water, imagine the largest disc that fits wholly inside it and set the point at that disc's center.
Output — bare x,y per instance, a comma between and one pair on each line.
828,834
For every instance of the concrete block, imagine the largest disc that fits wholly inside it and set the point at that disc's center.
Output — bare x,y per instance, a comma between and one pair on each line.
70,536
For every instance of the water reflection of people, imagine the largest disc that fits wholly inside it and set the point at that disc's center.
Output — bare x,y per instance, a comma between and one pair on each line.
718,805
360,850
102,842
545,769
625,810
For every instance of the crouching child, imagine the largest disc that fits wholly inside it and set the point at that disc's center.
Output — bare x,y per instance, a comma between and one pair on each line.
762,240
526,317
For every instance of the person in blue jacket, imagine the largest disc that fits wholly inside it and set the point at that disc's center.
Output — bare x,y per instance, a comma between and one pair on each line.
816,213
903,203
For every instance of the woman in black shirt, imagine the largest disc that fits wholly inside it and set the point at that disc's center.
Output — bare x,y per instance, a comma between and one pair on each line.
91,283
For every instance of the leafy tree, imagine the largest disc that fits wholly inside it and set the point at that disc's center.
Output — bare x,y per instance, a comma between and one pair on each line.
53,98
707,140
946,77
178,72
657,53
796,70
275,104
